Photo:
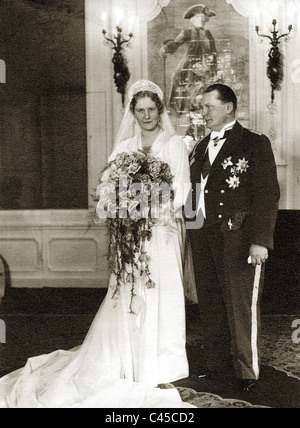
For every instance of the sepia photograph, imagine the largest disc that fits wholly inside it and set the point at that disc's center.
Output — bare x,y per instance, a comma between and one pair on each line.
149,206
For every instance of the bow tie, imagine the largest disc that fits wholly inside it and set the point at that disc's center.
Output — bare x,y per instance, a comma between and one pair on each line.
217,136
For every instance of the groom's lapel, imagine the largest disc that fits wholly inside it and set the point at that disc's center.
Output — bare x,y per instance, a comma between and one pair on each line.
200,152
228,148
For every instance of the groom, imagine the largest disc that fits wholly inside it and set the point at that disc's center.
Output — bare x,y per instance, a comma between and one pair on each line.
236,192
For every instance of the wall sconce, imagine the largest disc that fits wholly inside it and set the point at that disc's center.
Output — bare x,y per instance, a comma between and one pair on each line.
121,71
274,70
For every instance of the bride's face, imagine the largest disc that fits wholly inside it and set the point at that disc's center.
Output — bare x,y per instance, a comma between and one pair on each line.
147,114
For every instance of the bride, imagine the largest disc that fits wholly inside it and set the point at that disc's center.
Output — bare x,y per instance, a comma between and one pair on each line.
127,354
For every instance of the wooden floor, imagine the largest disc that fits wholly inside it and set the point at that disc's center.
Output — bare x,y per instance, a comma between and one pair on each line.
42,321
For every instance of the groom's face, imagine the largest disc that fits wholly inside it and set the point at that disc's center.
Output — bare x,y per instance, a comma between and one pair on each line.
215,112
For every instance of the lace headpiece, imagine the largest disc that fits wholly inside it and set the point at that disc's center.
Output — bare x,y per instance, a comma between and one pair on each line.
145,86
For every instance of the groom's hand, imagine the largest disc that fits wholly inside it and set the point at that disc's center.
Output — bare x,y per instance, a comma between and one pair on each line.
259,255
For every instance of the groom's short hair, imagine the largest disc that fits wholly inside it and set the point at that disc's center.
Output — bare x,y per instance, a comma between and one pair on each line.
226,94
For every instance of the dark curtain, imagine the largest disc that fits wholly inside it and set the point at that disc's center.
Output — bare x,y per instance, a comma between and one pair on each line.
43,132
63,152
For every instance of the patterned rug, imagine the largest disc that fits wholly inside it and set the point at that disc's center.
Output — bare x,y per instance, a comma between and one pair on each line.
29,335
204,400
278,351
278,348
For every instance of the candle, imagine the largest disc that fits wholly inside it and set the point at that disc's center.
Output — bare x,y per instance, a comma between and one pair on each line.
104,17
119,16
131,23
257,16
275,8
291,11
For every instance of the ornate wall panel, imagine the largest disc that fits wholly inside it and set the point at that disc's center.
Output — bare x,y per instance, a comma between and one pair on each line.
53,249
24,253
184,59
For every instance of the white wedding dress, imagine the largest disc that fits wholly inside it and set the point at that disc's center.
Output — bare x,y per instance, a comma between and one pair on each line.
124,356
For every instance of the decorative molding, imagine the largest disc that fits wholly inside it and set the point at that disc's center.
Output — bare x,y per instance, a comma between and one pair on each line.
32,266
151,9
245,8
99,142
75,247
147,11
66,281
45,220
22,247
275,133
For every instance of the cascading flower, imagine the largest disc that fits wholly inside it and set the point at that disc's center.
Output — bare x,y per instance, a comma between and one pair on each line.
133,192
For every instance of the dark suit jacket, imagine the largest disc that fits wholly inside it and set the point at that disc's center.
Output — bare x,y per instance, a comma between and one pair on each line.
247,158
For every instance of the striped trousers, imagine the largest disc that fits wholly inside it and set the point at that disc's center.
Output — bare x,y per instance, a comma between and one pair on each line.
229,293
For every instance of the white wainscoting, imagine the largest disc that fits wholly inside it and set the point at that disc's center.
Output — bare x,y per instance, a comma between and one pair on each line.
53,249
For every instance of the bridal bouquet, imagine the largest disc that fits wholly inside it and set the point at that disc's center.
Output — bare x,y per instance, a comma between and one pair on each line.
134,194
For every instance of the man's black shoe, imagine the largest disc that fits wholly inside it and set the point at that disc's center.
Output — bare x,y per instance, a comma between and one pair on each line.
248,385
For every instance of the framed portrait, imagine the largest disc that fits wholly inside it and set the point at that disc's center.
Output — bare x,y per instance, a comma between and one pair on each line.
187,53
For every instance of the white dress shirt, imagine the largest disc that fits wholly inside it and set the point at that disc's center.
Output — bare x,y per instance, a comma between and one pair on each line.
213,151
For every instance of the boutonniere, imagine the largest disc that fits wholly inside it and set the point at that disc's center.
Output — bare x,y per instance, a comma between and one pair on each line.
239,168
